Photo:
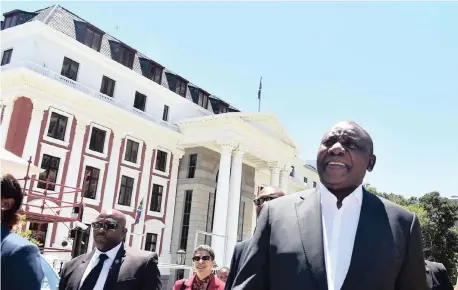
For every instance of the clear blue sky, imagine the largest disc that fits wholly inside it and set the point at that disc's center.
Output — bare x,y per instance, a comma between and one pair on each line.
392,67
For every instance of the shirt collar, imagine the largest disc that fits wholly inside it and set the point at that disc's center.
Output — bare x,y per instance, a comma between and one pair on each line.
111,253
327,197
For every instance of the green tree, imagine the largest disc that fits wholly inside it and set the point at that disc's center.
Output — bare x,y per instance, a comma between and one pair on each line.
437,216
26,234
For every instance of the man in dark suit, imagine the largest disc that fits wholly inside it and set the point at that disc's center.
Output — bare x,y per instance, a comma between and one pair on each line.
267,194
20,261
436,276
111,265
338,235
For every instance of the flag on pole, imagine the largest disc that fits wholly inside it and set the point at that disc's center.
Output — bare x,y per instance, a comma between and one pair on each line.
139,212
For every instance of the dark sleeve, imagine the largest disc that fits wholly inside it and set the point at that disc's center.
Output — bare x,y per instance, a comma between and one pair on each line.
25,268
63,278
152,278
443,279
232,269
413,274
254,273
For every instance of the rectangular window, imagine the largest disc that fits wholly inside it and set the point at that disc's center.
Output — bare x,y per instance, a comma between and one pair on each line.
161,161
126,56
108,86
241,220
6,57
151,242
156,198
125,192
140,101
92,38
38,232
70,68
203,99
314,184
192,165
165,113
151,70
50,166
210,216
180,87
57,126
131,151
185,220
292,171
97,142
305,179
92,181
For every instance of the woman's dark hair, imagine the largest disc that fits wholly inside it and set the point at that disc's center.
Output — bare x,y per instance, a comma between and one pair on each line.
10,188
205,248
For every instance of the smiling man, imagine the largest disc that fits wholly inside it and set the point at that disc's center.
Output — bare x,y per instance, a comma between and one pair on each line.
111,265
336,236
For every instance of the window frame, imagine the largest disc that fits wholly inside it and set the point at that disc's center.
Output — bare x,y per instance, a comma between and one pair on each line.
41,182
10,55
90,179
107,80
184,234
164,182
192,168
144,103
66,141
159,195
102,166
148,243
94,31
165,113
72,62
167,163
126,186
104,154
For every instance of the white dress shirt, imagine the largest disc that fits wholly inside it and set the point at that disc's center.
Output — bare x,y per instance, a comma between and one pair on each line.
106,266
339,231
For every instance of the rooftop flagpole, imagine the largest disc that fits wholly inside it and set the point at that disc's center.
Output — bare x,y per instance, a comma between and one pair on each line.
259,95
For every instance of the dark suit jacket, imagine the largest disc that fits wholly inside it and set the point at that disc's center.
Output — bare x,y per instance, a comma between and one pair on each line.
236,262
215,284
136,270
436,276
21,266
286,251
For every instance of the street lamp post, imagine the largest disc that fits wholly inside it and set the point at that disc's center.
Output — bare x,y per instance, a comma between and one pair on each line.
181,256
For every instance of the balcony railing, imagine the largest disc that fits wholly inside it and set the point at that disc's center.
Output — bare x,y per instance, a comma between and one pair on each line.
86,90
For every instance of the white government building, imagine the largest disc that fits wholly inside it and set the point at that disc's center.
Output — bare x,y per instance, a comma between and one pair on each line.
79,101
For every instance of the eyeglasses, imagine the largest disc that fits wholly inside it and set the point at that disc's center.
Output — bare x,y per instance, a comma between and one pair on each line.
106,226
198,258
260,200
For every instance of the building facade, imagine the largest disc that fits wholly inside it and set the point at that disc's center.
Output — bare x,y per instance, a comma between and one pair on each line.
96,114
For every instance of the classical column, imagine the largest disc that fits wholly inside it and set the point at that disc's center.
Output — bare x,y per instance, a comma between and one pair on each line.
110,187
222,198
166,256
274,174
144,186
33,134
234,203
284,176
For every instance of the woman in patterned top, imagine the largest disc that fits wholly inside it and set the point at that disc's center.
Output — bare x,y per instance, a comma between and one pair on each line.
203,278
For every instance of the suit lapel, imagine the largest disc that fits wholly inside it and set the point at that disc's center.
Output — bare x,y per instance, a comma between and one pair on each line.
77,275
365,242
308,210
115,269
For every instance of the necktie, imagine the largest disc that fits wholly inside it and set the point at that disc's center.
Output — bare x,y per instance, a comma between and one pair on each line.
91,279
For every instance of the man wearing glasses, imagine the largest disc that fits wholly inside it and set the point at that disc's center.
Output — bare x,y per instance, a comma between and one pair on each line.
267,194
111,265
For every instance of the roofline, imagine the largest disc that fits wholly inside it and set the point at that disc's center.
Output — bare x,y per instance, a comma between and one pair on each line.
142,55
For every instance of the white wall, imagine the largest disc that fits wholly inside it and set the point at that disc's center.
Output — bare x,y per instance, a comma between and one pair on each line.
47,47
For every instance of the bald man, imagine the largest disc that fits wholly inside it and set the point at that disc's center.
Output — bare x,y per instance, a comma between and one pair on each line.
111,265
267,194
